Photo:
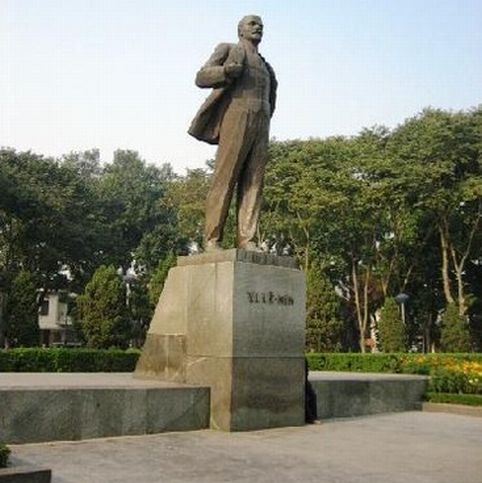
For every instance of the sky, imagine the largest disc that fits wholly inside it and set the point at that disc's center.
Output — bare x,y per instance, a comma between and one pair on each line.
109,74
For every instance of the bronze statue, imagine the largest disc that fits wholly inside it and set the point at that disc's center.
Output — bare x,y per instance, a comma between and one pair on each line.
236,116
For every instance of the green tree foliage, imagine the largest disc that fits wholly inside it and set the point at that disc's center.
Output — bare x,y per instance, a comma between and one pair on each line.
158,278
131,196
391,329
186,196
442,154
455,336
21,311
102,310
382,212
389,211
47,219
324,325
140,310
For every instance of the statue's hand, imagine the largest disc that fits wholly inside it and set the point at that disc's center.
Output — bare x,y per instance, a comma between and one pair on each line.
233,69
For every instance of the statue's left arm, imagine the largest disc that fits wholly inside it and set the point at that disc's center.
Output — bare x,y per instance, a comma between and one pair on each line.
273,83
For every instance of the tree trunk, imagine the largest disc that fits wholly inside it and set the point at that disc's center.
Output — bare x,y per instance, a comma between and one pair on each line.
459,264
444,242
360,313
2,329
460,291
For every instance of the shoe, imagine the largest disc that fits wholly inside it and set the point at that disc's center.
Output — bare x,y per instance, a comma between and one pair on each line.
212,246
250,247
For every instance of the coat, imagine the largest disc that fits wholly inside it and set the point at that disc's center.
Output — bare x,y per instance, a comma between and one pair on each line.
206,125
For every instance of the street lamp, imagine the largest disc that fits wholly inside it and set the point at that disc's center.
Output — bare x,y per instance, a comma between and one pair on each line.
401,299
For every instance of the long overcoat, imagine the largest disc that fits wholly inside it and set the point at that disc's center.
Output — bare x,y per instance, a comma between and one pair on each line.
206,125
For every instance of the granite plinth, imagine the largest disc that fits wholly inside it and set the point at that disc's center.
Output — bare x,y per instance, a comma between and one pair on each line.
233,320
238,255
25,474
38,407
350,394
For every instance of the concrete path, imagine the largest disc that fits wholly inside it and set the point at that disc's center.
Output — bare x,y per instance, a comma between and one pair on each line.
411,447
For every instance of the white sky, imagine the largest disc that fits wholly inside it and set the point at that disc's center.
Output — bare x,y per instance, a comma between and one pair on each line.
108,74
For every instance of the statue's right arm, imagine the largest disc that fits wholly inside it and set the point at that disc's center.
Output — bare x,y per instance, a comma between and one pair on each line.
212,73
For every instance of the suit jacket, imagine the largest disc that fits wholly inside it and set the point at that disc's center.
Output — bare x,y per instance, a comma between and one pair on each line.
207,122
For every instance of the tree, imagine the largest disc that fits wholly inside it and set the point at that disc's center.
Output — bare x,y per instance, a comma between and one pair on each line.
442,150
131,194
158,278
455,335
324,325
86,164
102,311
47,217
21,312
186,195
140,310
391,329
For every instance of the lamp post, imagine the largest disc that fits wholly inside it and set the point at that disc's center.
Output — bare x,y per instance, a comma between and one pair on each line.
401,299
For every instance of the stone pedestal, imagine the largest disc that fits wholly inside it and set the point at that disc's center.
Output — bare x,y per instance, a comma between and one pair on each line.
233,320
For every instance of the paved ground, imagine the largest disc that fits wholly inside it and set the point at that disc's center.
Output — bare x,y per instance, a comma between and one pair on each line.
411,447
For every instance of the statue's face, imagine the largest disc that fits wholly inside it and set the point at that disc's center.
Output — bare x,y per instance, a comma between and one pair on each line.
251,28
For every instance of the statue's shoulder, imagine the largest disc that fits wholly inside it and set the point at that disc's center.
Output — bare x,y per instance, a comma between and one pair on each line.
224,48
220,54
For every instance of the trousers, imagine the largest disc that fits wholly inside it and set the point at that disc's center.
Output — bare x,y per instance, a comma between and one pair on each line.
241,156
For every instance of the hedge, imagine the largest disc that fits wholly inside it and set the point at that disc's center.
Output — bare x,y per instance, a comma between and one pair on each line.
67,360
4,454
449,373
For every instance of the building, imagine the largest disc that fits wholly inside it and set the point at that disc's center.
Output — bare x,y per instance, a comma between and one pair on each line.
54,322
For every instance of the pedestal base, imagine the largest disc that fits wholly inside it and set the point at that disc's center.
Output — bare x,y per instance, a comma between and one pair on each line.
233,320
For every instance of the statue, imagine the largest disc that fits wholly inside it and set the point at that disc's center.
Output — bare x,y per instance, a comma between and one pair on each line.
236,116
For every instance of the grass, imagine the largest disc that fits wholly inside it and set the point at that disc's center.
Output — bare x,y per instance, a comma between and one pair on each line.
466,399
4,454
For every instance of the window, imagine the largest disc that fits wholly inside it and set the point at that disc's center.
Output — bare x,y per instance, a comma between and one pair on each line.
44,308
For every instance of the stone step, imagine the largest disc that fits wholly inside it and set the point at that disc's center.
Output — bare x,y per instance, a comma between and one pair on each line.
349,394
25,474
40,407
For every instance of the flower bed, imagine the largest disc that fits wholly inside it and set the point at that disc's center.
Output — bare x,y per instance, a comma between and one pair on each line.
449,373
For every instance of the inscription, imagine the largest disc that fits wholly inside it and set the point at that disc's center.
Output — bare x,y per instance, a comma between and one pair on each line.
270,298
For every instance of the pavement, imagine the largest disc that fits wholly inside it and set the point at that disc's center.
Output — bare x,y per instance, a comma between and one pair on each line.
409,447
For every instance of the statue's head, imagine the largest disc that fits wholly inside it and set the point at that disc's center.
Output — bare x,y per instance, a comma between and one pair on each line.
251,28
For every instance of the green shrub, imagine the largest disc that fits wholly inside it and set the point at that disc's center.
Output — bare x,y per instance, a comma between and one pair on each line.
4,454
467,399
67,360
455,333
21,311
355,362
102,310
391,329
324,326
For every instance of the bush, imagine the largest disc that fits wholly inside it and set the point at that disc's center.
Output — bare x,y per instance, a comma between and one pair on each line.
391,329
21,311
67,360
103,312
324,326
455,336
355,362
4,454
